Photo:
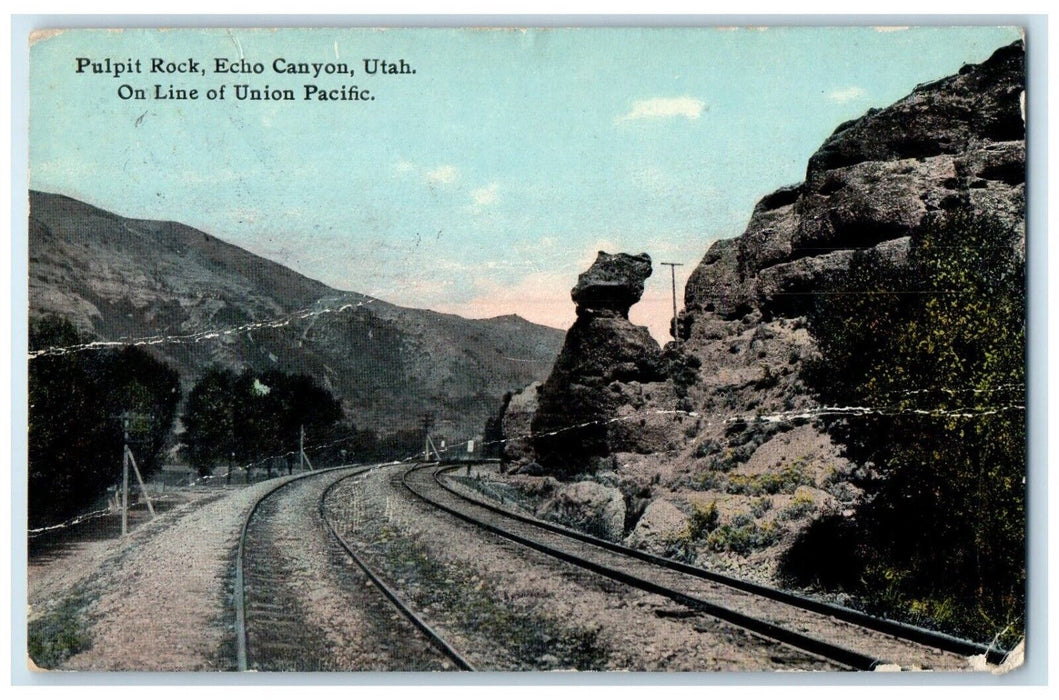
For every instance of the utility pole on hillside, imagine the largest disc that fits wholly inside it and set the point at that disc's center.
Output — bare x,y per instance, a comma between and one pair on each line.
673,273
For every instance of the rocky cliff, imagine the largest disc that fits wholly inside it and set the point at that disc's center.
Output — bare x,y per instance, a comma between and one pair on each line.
721,417
957,143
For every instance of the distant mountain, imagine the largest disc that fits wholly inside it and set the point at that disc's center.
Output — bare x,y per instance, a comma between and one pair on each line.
120,278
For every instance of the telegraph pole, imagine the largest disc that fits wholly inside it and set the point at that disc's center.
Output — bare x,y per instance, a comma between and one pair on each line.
428,423
125,477
126,460
303,459
139,480
673,270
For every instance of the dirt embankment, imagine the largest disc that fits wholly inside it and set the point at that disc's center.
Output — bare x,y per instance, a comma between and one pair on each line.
156,600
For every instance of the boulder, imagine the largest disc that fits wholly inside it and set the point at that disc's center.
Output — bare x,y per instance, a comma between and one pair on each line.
660,525
528,468
587,506
613,283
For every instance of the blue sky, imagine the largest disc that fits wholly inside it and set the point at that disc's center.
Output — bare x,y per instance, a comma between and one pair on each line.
485,182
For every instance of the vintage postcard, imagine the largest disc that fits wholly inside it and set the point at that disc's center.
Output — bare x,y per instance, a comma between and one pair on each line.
523,349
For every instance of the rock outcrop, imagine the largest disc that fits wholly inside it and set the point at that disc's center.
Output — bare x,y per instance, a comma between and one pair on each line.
956,143
589,507
953,144
607,364
726,407
515,417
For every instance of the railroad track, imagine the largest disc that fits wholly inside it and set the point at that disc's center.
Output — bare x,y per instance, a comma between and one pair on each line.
272,632
435,639
848,637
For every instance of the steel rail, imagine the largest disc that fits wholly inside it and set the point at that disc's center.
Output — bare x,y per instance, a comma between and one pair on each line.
919,635
435,638
842,655
239,593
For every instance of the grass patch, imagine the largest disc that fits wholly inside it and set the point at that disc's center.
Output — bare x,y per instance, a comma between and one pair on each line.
831,555
60,633
883,592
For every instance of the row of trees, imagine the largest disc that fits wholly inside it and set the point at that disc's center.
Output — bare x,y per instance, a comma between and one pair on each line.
935,349
81,403
252,418
79,406
248,417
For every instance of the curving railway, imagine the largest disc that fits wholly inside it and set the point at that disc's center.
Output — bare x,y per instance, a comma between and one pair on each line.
306,599
302,597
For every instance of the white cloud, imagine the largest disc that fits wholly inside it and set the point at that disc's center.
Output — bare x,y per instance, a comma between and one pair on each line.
847,94
443,175
664,108
438,175
485,195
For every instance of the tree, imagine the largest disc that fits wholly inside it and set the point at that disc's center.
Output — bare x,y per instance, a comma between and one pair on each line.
303,404
208,419
256,417
934,353
78,404
145,393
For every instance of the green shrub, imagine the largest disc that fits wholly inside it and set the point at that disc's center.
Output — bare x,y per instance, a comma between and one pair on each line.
786,481
706,448
710,481
760,506
703,520
742,536
801,506
938,343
